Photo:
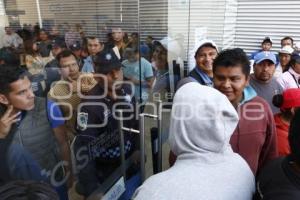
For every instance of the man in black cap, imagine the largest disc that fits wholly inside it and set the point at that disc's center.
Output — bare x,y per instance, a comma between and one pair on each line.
98,125
57,46
77,51
51,73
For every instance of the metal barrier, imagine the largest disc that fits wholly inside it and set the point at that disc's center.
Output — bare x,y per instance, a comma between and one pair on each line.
115,182
141,131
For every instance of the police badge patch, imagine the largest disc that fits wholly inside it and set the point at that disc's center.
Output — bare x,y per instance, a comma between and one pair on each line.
127,98
82,120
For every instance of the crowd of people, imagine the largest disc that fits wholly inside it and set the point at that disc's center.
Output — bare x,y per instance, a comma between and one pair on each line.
234,124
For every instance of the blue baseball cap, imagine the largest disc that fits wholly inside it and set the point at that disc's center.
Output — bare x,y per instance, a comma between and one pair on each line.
264,55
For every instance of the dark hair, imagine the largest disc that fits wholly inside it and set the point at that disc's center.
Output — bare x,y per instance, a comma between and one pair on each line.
8,75
44,30
204,45
27,190
106,61
267,40
135,34
294,137
28,47
150,37
294,59
92,38
287,38
65,54
116,25
10,56
277,100
232,58
130,52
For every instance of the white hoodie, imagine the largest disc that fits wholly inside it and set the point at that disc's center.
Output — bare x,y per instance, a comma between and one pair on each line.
202,123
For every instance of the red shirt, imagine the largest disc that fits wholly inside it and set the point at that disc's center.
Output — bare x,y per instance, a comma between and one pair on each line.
255,136
282,129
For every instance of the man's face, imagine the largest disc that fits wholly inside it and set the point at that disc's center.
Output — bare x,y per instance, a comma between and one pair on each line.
264,70
43,36
77,53
284,59
117,34
266,46
132,57
231,81
286,42
205,58
56,50
21,96
8,31
69,68
94,46
54,31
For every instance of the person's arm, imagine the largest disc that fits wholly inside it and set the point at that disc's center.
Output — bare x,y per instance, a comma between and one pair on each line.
269,149
58,126
18,41
281,81
60,134
28,61
149,81
6,136
172,158
148,74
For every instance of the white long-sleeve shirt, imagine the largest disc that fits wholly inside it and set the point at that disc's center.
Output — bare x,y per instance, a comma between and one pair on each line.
13,40
289,79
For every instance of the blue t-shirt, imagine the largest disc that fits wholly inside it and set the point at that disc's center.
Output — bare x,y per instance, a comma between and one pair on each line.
55,115
88,65
131,69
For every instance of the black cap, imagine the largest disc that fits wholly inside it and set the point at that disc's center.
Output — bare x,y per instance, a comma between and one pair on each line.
296,58
106,61
75,47
267,39
58,42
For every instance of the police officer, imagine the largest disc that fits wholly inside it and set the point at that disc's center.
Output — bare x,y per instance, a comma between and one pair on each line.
98,125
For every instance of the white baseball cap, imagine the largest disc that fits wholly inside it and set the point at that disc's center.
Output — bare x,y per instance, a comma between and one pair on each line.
287,50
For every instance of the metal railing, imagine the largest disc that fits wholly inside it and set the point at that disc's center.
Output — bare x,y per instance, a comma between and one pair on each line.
141,132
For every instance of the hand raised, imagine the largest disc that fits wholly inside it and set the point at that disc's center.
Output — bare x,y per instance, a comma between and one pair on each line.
6,121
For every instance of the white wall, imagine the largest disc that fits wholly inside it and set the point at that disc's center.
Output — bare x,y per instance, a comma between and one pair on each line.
258,19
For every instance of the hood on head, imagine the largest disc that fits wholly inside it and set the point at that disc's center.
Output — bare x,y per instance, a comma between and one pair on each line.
202,120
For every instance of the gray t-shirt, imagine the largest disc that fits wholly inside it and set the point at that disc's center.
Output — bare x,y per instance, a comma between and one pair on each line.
267,90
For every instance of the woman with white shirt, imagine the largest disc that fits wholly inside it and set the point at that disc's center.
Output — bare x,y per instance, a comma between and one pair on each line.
291,78
285,56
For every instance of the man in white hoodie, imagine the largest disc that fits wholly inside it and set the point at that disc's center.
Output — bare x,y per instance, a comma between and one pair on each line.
206,168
